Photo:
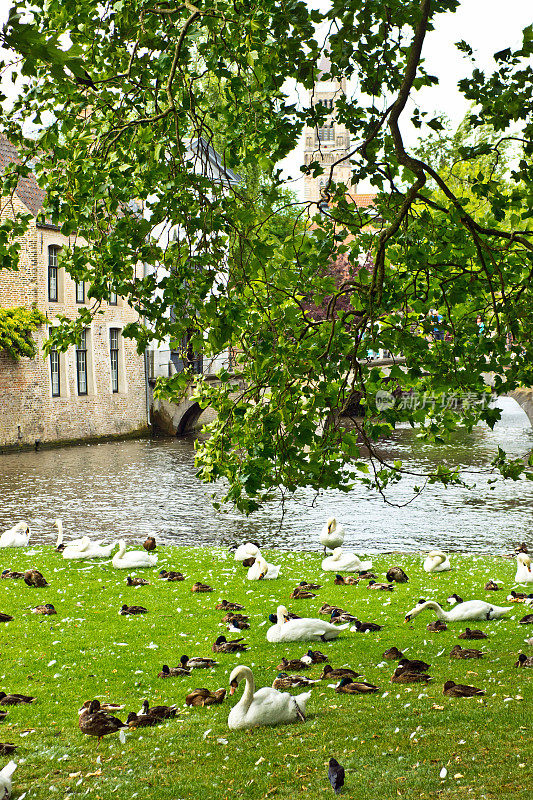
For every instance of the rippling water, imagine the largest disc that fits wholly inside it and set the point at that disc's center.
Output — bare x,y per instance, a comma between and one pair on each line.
134,488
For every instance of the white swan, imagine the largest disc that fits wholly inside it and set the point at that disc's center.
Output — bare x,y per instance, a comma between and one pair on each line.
87,549
302,630
524,573
339,561
437,561
260,570
247,550
331,535
132,559
17,536
267,706
472,609
60,539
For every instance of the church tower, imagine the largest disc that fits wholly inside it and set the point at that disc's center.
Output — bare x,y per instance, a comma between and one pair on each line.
330,142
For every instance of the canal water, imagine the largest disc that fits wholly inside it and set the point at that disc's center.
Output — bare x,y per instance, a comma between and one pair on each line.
135,488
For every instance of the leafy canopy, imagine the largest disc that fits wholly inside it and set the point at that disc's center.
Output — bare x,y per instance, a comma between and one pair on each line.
121,88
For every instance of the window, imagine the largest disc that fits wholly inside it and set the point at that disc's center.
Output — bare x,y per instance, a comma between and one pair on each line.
54,370
326,134
80,291
113,355
81,363
53,293
113,300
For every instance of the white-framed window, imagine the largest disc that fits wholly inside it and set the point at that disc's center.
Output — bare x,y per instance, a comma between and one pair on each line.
81,364
113,299
55,371
114,340
326,133
80,291
53,274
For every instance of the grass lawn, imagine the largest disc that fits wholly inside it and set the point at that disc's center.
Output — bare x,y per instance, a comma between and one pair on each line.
392,744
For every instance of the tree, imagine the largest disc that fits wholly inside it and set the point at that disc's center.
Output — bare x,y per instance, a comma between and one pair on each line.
125,96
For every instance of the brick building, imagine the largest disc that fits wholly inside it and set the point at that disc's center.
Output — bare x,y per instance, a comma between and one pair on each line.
96,389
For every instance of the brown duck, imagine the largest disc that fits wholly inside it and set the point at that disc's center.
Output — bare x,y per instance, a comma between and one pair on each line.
223,646
149,543
204,697
348,580
6,748
452,689
527,620
396,574
299,593
492,586
472,634
524,661
401,675
94,721
200,587
134,720
284,681
137,581
291,665
10,573
248,562
225,606
46,609
32,577
310,587
14,699
315,656
414,665
5,617
327,609
392,654
437,625
342,672
171,576
460,652
160,712
172,672
347,686
131,610
363,627
233,617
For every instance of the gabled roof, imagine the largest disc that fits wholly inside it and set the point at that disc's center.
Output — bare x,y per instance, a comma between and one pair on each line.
28,190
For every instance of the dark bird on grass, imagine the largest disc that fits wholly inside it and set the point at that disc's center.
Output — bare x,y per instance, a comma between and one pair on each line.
454,598
380,587
299,593
134,720
518,597
347,686
248,562
112,708
171,576
10,573
234,646
150,543
3,715
131,610
342,672
414,665
238,624
198,662
204,697
284,681
392,654
401,675
524,661
14,699
315,657
463,652
363,627
348,580
161,712
472,634
527,620
6,748
438,625
396,574
32,577
492,586
311,587
336,775
137,581
452,689
367,576
5,618
293,664
200,587
231,616
47,609
327,609
338,617
94,721
225,606
173,672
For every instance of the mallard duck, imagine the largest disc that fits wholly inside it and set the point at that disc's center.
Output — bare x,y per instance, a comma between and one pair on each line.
292,664
133,559
413,665
200,587
5,617
131,610
310,587
249,562
472,634
472,609
237,625
492,586
299,593
267,706
518,597
349,580
340,561
171,576
392,654
436,561
347,686
223,646
94,721
14,699
366,627
47,608
284,681
437,626
137,581
112,708
149,543
32,577
453,599
401,675
173,672
524,572
338,617
17,536
10,573
198,662
380,587
134,720
233,617
342,672
204,697
314,657
297,630
161,712
6,748
225,606
327,609
452,689
396,574
524,661
527,620
248,550
331,535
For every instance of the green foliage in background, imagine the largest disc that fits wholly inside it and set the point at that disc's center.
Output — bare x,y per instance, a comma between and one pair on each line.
17,326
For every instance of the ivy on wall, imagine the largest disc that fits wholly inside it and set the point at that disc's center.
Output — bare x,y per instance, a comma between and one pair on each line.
16,331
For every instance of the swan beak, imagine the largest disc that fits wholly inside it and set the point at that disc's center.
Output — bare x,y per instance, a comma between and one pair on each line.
407,619
233,686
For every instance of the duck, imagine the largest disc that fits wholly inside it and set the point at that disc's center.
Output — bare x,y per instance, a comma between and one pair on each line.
392,654
132,610
437,626
171,576
524,573
262,571
17,536
14,699
300,630
348,580
453,599
518,597
150,543
247,562
327,609
299,593
380,587
197,662
267,706
46,609
396,574
347,686
472,634
413,665
310,587
338,616
87,549
111,707
5,617
224,605
10,573
492,586
237,625
234,617
292,664
341,561
6,774
173,672
524,661
401,675
5,749
527,620
234,646
436,561
471,609
452,689
463,652
290,615
137,581
134,559
284,681
134,720
331,535
32,577
314,657
342,672
204,697
201,587
366,627
248,550
161,712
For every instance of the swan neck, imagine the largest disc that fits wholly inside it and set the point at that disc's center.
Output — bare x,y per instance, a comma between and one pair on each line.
249,690
435,606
